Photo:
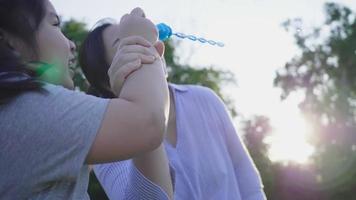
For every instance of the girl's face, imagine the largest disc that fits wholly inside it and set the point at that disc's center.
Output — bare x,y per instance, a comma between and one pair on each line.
55,49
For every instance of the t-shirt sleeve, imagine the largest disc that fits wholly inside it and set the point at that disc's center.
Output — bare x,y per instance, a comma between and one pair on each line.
58,127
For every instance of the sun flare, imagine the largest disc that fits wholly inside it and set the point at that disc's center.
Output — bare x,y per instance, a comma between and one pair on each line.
289,139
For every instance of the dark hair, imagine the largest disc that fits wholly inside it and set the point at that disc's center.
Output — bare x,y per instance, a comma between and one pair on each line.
93,63
21,19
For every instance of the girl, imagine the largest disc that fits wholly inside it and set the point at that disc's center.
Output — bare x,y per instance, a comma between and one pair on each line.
49,133
206,155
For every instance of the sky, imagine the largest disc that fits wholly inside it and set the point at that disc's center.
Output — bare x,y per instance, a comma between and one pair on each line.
256,43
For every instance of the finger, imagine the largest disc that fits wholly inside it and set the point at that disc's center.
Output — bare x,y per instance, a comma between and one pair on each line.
124,58
159,46
138,49
138,12
118,78
127,69
124,17
122,74
121,57
127,58
132,40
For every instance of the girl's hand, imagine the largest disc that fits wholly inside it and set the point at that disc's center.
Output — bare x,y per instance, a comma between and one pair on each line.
132,52
138,44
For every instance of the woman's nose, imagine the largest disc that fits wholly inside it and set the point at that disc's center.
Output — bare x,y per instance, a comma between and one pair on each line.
138,12
72,46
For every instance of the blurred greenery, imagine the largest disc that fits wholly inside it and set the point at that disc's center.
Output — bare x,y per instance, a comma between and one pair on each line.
178,73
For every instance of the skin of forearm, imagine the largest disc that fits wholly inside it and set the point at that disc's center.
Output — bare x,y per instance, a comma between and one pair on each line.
148,89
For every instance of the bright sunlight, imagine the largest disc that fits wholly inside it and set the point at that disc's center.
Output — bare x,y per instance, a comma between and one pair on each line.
288,141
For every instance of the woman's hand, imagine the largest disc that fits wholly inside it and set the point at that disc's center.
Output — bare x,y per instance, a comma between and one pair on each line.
132,52
138,44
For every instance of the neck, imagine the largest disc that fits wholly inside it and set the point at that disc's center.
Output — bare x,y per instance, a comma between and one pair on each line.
171,134
172,110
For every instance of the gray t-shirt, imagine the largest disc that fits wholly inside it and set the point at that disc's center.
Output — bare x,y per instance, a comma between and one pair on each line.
45,138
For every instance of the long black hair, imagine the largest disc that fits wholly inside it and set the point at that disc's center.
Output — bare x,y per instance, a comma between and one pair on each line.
21,19
93,63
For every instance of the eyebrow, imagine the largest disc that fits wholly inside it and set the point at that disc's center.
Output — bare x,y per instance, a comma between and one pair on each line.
115,41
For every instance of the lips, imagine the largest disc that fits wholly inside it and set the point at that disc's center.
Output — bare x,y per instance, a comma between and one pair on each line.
71,72
71,65
71,62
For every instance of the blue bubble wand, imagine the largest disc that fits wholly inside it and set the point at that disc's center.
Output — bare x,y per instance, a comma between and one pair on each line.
166,32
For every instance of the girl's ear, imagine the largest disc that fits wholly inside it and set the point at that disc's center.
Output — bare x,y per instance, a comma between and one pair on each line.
16,44
6,38
159,45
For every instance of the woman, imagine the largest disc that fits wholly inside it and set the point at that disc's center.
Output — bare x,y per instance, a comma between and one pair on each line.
49,133
207,158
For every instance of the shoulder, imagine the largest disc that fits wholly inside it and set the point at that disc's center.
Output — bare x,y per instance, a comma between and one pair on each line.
46,93
205,93
53,94
194,90
198,89
53,103
199,97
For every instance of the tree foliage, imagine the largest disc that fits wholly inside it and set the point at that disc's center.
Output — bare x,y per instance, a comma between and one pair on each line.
325,72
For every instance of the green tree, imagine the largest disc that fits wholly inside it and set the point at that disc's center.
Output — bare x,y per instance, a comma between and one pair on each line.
255,132
325,71
207,76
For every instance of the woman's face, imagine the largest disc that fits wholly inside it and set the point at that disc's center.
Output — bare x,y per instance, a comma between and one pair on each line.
111,41
54,49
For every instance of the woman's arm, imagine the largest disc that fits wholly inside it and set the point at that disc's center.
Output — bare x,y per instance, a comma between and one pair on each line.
122,180
154,166
135,122
141,88
151,165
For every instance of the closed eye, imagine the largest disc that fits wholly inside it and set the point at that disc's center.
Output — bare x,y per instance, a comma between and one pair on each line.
58,24
57,20
116,41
